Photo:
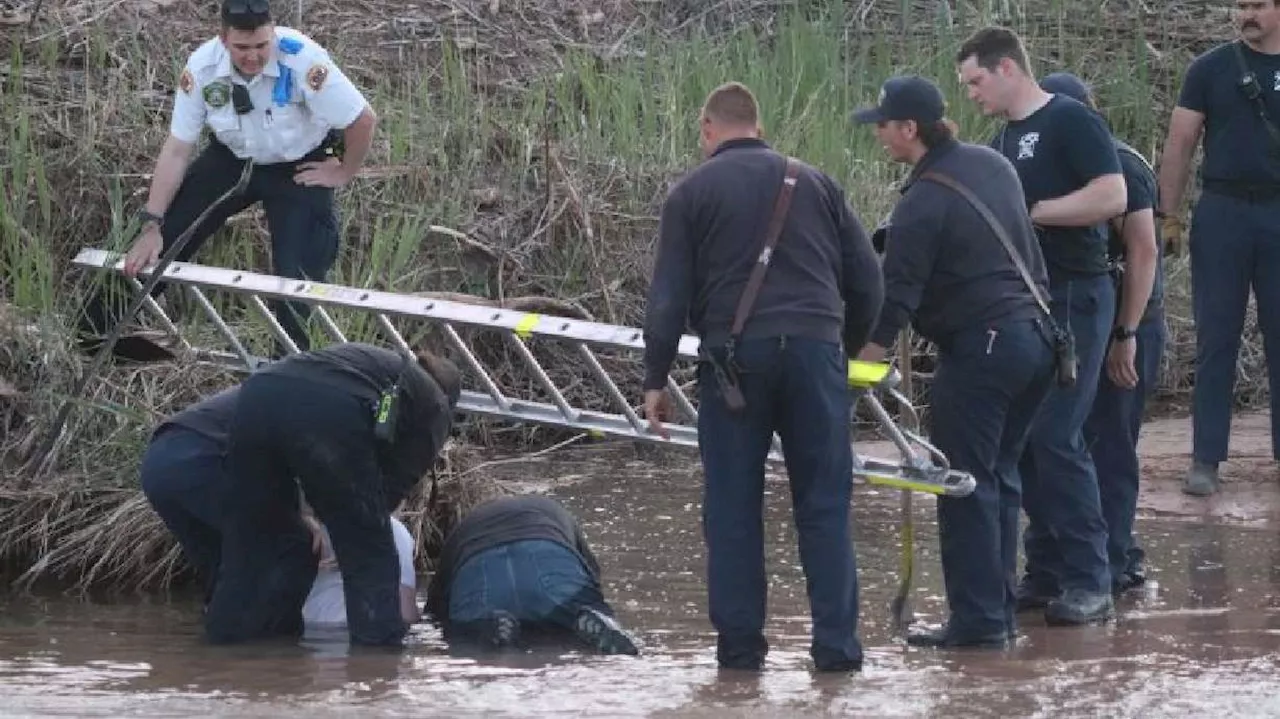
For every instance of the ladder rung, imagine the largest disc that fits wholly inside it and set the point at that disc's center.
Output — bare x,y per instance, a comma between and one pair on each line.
922,467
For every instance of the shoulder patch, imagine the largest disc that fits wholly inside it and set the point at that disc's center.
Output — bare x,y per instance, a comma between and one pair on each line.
217,94
290,45
316,77
186,82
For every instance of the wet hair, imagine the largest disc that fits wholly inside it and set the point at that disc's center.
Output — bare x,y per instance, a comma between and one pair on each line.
444,372
245,15
937,133
733,104
990,45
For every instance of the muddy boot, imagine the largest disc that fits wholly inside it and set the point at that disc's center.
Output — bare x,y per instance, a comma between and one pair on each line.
603,633
1077,607
1202,480
500,630
944,638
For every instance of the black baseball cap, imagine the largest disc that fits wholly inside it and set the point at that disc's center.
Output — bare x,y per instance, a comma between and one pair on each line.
905,97
1064,83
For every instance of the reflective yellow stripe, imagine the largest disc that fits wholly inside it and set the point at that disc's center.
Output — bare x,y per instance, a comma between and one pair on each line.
526,325
867,374
900,483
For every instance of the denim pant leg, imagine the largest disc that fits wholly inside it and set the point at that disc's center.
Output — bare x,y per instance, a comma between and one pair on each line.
814,417
733,448
1112,430
986,378
1222,265
1066,534
183,479
537,581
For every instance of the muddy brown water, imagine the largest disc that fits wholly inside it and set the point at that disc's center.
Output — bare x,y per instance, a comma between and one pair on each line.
1202,639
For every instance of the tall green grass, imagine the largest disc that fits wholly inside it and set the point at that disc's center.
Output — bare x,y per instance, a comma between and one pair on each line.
83,122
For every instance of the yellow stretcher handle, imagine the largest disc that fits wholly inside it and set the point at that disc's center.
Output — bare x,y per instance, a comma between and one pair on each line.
865,375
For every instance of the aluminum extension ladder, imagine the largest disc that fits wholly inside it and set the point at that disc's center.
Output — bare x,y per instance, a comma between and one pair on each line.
921,468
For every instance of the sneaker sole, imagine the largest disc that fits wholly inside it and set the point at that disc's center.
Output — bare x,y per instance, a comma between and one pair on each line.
596,632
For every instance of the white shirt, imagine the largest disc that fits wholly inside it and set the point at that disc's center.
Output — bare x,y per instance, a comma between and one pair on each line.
299,96
327,605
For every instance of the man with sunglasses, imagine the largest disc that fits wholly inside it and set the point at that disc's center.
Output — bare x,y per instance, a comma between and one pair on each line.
268,93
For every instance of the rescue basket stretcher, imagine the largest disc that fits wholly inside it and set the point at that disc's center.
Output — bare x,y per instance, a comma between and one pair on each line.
921,467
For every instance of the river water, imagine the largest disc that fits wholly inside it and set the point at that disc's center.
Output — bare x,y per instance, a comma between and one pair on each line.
1203,638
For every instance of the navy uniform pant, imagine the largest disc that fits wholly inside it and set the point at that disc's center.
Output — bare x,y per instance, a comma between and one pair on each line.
302,221
184,478
990,384
1112,433
287,428
798,388
1235,247
1066,537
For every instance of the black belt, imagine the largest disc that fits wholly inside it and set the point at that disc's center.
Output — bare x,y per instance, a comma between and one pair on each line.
1247,191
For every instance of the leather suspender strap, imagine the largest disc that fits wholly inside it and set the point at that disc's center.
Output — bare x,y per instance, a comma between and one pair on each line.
997,228
780,207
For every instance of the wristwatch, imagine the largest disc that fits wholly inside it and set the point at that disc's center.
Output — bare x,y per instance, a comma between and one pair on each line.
146,216
1122,333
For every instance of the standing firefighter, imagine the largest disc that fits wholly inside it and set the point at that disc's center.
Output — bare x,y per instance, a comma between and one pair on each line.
1133,361
782,370
1231,95
1072,185
270,94
355,428
948,268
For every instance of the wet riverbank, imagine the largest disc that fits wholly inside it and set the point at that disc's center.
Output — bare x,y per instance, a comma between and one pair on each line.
1203,638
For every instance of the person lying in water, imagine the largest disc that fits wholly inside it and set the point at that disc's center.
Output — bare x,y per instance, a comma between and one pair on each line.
326,605
522,563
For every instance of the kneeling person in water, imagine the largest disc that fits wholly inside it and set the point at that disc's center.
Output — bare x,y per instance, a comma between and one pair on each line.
520,563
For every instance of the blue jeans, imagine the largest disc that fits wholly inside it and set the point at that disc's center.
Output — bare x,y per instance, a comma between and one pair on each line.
182,477
1112,433
1235,247
537,581
1066,536
796,387
989,386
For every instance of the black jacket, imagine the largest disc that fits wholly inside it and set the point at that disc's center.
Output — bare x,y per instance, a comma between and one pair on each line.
823,281
425,413
943,264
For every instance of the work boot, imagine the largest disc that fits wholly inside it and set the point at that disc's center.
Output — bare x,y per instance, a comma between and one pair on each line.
1031,594
1078,606
603,633
944,638
1202,480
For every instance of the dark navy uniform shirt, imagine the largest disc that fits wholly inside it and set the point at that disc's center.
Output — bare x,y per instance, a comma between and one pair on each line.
943,263
823,280
1143,189
1057,150
1235,140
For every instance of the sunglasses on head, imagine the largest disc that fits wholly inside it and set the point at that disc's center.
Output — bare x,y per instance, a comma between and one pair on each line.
247,7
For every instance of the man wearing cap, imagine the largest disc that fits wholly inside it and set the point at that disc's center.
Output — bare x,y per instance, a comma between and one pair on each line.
948,271
1229,104
273,95
1072,185
1133,360
815,307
